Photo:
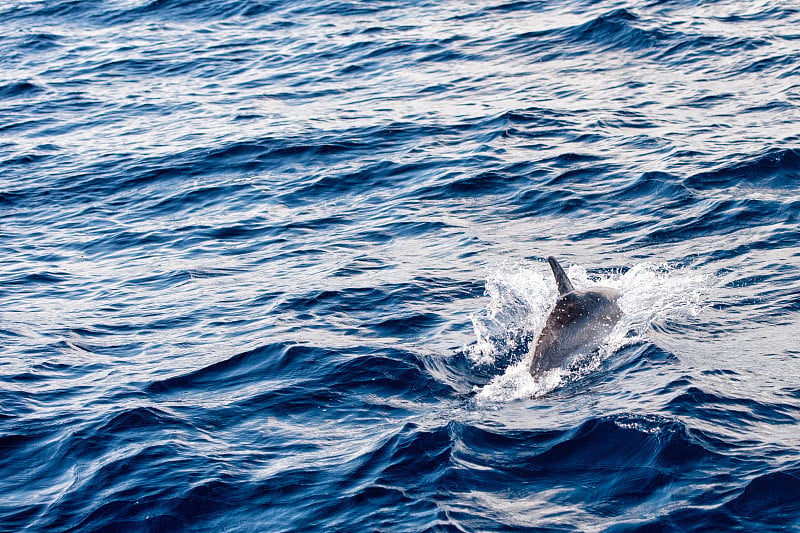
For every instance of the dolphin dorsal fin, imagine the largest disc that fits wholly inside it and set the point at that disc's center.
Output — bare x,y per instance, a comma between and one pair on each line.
563,282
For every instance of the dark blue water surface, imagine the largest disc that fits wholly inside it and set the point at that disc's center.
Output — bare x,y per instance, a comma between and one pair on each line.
277,266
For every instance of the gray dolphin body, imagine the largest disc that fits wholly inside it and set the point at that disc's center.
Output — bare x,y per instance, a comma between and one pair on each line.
578,324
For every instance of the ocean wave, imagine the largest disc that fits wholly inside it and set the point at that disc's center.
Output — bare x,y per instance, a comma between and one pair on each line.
774,168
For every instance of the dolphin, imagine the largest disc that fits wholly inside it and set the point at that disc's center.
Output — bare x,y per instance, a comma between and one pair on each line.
578,323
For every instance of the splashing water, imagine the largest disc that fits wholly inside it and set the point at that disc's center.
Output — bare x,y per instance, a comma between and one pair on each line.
520,299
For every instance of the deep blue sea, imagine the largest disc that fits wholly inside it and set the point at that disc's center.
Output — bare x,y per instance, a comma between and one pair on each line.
279,266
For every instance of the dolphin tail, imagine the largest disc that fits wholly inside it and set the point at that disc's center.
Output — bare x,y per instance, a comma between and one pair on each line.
563,282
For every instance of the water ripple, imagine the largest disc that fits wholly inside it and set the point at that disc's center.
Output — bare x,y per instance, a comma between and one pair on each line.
280,266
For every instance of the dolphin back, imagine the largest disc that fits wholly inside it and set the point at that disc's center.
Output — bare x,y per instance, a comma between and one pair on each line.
562,281
578,324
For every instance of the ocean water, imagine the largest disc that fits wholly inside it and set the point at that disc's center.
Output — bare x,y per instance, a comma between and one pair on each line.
279,266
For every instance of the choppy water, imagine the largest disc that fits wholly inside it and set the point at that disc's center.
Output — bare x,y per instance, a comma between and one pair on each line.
277,266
